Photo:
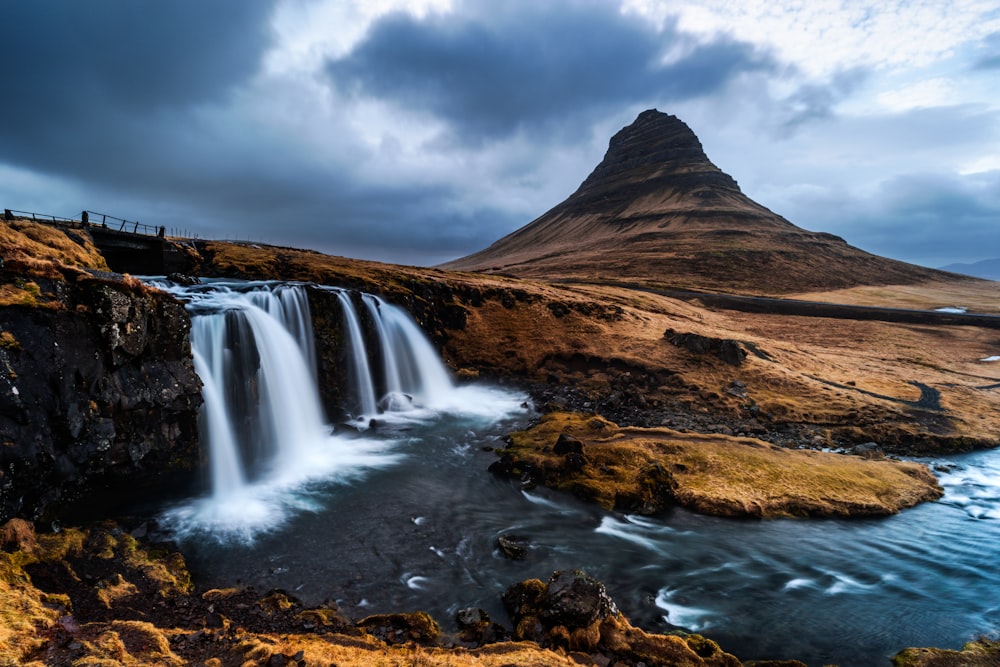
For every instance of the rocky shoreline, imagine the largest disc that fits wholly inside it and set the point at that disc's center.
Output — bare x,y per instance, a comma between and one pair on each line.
103,595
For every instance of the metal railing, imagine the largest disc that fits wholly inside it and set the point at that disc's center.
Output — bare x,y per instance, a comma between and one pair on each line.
132,226
92,218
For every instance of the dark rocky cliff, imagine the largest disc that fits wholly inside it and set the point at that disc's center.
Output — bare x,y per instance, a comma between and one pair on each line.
97,389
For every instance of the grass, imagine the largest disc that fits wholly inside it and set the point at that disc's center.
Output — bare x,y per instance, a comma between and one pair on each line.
716,474
44,249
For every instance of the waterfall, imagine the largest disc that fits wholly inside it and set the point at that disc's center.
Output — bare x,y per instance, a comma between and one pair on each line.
360,372
254,349
413,370
263,425
255,355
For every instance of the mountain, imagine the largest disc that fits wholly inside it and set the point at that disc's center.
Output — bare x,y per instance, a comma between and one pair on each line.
987,268
656,211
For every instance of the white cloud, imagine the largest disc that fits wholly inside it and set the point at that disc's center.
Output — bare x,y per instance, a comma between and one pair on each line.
824,36
939,91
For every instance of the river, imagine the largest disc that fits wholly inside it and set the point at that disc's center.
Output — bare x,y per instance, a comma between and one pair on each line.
408,520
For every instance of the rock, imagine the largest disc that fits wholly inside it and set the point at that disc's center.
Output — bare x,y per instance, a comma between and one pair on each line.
869,450
105,394
183,280
513,547
17,534
731,352
471,617
417,627
567,444
575,600
737,389
573,613
726,349
475,627
574,462
981,653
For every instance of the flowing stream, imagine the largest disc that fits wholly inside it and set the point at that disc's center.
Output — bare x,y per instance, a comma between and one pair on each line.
405,517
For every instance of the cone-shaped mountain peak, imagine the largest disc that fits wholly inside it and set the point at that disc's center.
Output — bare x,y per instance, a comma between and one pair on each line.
657,211
658,142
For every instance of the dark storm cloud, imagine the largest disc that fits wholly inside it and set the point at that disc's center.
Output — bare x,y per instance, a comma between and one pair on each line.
540,65
816,102
141,55
95,81
937,217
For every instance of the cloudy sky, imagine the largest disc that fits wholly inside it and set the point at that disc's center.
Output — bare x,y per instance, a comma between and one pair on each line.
416,131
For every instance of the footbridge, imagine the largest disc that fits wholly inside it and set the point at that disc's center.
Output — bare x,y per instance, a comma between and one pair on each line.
128,246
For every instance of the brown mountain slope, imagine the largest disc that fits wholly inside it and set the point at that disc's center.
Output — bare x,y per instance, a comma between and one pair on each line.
656,211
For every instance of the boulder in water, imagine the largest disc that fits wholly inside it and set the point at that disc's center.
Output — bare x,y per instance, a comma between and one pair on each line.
513,547
396,401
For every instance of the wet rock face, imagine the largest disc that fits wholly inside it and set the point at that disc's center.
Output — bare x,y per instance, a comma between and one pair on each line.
99,390
571,598
575,600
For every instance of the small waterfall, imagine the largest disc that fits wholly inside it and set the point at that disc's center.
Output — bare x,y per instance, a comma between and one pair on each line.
254,355
360,370
413,371
263,424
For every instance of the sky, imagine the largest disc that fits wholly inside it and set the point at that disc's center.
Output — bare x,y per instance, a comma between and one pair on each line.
417,131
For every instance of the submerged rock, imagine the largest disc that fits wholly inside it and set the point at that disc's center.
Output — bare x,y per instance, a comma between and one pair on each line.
513,547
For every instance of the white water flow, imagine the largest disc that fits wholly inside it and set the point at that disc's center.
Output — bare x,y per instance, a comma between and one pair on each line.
413,375
360,370
270,448
224,456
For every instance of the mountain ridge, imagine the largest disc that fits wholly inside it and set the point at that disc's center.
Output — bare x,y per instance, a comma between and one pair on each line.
657,211
988,269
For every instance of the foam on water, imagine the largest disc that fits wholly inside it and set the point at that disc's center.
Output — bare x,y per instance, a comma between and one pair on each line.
693,619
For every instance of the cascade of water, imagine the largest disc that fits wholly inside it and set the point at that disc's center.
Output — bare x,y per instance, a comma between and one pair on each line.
263,425
254,371
394,399
360,371
412,366
290,306
224,459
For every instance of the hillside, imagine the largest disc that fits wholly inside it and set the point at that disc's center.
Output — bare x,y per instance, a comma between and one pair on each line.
656,211
987,268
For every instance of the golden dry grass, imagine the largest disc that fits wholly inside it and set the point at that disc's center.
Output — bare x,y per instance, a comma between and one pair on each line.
718,474
978,296
38,247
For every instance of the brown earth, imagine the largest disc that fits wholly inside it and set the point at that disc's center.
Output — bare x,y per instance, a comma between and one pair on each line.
656,211
802,380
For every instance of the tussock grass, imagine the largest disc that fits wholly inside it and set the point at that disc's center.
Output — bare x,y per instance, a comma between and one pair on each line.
717,474
40,248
